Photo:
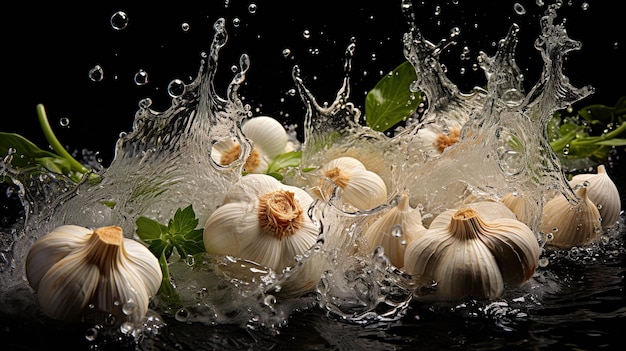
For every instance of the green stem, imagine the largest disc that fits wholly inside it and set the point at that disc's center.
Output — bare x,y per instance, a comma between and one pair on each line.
560,143
610,135
54,142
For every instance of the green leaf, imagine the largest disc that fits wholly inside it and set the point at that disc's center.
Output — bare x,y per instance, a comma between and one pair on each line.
392,101
26,153
184,221
285,160
180,234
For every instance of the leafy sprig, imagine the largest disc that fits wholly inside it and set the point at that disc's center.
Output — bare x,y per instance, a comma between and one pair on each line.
24,153
180,235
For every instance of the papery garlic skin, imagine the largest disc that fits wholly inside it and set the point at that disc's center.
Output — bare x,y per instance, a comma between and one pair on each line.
76,269
434,138
395,229
603,192
264,221
359,187
473,258
269,139
489,211
571,225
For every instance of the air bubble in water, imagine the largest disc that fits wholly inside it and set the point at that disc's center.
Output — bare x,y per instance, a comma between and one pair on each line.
519,8
236,22
584,6
306,34
96,73
252,8
91,334
141,77
185,26
286,52
176,88
182,315
119,20
64,122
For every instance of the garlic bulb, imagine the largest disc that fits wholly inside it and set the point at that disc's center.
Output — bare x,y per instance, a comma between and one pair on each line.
434,138
571,226
75,269
488,210
264,221
603,192
359,187
395,229
269,139
517,205
471,257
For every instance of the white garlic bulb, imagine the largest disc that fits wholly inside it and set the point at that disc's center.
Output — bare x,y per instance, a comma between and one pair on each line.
489,211
359,187
75,269
571,225
395,229
603,192
471,257
269,139
434,138
265,221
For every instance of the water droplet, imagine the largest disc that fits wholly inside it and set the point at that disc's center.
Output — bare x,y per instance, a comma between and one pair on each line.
141,77
119,20
252,8
129,308
519,8
396,230
269,300
236,22
286,52
584,6
176,88
96,73
126,328
184,26
306,34
539,3
455,32
64,122
543,262
182,315
91,334
437,10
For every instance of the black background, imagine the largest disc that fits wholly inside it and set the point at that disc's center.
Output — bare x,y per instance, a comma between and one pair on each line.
49,49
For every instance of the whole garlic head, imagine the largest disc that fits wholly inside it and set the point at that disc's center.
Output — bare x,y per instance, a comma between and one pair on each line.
395,229
262,220
74,269
571,225
603,192
473,257
359,187
269,139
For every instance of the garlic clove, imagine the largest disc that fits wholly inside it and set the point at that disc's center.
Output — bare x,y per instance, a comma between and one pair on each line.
269,139
268,134
360,187
100,270
603,192
471,257
571,225
517,205
264,221
395,229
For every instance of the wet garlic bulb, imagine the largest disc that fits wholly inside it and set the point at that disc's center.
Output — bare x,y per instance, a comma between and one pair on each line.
395,229
262,220
603,192
75,269
359,187
489,211
434,138
471,257
571,226
269,139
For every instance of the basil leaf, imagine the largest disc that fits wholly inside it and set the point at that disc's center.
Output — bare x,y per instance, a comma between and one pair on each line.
392,101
